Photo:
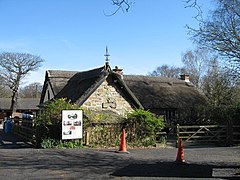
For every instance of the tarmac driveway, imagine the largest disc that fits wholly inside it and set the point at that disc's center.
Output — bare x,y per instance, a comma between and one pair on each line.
205,163
202,163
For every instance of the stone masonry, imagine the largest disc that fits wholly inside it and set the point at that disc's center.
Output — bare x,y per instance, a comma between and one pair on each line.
108,98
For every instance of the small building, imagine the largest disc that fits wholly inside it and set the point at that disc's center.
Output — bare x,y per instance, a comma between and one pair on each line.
99,89
106,89
24,105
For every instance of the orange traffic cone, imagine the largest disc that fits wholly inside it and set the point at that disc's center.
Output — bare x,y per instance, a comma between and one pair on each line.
123,145
180,153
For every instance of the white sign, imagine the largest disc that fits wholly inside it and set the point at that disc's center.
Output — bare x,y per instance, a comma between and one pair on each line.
72,124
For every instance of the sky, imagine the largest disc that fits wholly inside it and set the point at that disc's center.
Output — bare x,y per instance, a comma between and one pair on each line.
73,34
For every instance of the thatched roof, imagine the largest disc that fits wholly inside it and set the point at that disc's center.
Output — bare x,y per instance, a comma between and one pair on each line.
60,79
163,93
143,91
81,83
78,86
22,104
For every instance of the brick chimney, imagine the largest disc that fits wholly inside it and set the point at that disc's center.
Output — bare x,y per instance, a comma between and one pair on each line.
185,77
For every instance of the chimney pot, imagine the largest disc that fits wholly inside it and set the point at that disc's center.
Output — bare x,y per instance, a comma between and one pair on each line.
185,77
118,71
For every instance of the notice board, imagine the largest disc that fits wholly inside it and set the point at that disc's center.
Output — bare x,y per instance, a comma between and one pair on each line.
72,124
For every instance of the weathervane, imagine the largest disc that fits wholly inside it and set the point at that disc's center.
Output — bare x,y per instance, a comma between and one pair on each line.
107,55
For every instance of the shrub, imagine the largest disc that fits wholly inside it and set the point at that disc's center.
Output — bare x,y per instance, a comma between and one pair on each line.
148,122
91,116
48,123
52,143
48,143
53,111
142,127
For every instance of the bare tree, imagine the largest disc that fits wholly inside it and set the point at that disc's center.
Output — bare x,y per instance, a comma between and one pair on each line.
217,86
168,71
14,67
221,32
195,62
32,90
5,92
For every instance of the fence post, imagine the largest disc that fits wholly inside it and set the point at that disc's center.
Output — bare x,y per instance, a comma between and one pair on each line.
86,138
178,134
229,133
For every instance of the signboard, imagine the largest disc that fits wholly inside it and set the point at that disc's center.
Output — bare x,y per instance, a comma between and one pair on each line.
72,124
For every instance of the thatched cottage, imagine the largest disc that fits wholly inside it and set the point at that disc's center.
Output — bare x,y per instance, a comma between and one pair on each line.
106,89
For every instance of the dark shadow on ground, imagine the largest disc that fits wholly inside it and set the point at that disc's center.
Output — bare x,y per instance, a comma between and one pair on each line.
172,169
10,141
166,169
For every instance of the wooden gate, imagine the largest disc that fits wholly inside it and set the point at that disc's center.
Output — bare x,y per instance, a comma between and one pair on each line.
234,135
207,134
25,129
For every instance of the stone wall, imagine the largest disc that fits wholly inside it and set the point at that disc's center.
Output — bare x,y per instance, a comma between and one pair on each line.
108,98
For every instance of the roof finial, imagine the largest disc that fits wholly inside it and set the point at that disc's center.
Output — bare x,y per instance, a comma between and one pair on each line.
107,55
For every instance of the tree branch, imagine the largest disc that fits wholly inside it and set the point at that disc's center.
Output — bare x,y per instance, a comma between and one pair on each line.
194,4
123,5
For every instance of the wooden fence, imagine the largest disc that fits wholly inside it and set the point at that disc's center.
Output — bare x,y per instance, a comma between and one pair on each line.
107,134
102,134
209,134
25,128
98,134
95,135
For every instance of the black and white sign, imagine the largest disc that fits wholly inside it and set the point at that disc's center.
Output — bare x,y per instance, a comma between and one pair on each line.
72,124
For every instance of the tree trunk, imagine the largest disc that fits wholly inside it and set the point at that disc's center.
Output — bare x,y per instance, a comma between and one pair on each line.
15,96
14,102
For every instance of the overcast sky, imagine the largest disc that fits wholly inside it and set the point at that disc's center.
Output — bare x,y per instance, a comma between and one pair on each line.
73,34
